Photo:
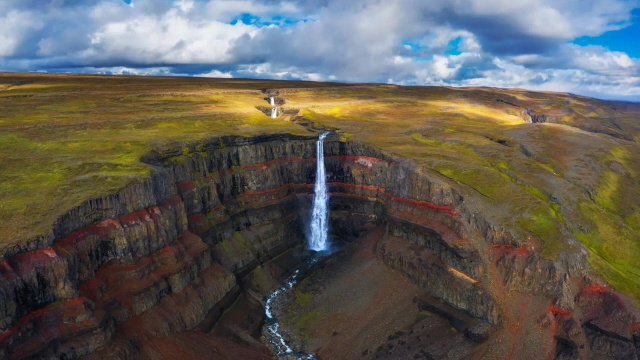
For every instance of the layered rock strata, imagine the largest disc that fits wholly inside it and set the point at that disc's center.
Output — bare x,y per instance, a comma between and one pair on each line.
155,258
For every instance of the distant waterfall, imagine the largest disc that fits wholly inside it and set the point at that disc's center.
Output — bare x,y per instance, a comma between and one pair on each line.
318,240
274,110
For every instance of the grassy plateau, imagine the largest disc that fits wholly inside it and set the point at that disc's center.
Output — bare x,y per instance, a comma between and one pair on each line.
575,178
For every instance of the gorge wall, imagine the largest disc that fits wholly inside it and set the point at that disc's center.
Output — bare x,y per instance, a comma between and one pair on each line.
156,258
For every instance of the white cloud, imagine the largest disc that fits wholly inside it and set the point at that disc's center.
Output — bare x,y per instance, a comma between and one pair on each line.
565,19
172,38
216,74
15,26
123,70
525,59
185,5
225,9
600,60
439,37
533,16
443,68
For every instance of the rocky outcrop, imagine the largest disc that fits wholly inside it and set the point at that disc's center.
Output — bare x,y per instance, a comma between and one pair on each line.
536,117
426,269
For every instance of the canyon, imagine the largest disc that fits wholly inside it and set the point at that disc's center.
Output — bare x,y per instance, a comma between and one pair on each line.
203,237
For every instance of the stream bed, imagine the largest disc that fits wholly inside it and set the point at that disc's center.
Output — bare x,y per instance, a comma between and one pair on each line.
271,332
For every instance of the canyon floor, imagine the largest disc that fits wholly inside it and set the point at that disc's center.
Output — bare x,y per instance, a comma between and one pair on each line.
354,306
150,217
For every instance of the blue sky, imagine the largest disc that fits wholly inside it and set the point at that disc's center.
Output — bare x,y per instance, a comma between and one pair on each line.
626,39
588,47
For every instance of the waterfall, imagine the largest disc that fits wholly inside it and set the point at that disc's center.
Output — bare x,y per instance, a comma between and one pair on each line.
318,241
274,109
319,217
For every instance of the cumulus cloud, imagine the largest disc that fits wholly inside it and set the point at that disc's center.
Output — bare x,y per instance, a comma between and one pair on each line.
599,60
16,25
170,38
216,74
507,43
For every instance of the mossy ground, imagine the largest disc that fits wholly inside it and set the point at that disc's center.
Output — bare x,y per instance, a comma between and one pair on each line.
555,181
68,138
65,139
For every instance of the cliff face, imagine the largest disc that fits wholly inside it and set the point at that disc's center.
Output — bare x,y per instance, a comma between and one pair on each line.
156,258
104,288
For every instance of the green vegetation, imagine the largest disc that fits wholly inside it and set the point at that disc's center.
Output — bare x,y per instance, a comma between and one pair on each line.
535,174
302,298
84,138
612,241
613,248
67,138
308,319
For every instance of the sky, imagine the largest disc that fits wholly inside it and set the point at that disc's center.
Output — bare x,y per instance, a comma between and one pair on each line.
586,47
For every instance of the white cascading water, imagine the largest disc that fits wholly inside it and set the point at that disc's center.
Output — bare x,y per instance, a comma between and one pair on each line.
273,326
318,240
274,111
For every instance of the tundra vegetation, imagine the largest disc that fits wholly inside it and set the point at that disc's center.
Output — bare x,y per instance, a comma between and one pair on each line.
569,184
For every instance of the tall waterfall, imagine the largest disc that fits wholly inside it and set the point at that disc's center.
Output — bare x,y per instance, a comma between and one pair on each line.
318,240
274,112
272,101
